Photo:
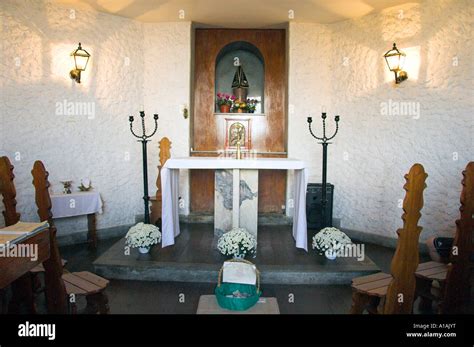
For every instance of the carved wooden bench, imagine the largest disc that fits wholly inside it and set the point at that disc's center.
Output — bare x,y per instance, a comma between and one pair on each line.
430,283
156,201
89,285
36,271
22,288
76,283
394,293
448,284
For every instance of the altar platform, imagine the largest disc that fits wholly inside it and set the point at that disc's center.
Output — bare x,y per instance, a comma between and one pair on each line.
194,258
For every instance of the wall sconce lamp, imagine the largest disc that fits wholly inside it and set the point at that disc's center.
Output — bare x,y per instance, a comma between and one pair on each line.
81,58
395,60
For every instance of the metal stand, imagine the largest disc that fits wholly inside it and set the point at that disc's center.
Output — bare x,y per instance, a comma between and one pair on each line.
144,139
325,144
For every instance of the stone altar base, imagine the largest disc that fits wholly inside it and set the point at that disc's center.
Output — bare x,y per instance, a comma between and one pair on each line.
235,201
194,258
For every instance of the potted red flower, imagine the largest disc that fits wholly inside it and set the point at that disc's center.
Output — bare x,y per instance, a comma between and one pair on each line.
225,101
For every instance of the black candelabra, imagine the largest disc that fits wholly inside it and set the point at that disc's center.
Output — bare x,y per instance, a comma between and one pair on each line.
325,144
144,139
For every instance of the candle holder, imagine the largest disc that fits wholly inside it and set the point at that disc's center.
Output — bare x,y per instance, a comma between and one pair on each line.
144,139
324,141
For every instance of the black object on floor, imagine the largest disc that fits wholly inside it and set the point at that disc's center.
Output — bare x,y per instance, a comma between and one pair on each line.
314,207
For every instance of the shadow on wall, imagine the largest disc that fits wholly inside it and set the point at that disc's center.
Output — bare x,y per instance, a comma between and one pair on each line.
78,130
386,128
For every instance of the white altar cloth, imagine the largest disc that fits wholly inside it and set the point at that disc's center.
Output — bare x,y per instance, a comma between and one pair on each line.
75,204
170,189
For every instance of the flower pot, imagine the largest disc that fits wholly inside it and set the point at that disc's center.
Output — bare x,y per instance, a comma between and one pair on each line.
330,254
224,108
144,250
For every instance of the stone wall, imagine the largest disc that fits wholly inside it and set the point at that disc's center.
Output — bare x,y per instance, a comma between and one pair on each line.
82,130
336,66
341,67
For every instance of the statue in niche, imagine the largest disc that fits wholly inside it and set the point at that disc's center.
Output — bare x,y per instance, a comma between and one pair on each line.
236,134
240,85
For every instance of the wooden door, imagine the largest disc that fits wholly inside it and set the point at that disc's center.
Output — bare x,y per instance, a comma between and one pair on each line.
268,132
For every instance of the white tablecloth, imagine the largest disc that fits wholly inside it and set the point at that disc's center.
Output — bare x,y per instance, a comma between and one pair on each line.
170,189
75,204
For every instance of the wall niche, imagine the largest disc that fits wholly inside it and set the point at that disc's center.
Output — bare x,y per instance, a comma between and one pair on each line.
251,60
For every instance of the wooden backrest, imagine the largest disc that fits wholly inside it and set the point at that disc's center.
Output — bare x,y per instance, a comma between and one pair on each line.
43,203
457,290
8,191
401,291
42,198
165,154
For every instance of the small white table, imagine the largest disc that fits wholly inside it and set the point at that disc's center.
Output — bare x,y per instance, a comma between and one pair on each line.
79,204
236,197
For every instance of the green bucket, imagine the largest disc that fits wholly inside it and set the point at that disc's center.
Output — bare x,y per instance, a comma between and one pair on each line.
237,304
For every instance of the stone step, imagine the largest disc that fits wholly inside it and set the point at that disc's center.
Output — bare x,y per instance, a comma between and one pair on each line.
208,273
195,258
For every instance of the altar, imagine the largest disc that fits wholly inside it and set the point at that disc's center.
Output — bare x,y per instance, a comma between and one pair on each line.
236,194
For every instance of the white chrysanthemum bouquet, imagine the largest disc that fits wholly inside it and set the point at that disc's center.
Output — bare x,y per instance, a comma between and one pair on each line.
143,235
237,242
330,239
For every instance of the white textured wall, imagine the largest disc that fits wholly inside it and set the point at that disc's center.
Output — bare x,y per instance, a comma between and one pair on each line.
341,66
39,37
167,51
128,68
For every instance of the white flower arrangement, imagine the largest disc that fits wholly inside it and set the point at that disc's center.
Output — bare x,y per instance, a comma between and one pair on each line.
143,235
329,239
237,242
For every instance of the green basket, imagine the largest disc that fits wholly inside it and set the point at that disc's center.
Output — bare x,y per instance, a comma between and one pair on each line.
237,304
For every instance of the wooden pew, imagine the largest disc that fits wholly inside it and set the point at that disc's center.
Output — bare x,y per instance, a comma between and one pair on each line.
78,283
449,284
22,288
394,293
156,201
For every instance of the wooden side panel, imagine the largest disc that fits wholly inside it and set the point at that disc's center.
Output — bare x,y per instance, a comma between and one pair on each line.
268,133
272,191
202,191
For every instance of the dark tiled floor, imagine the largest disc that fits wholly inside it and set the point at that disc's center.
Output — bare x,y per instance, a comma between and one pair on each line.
143,297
